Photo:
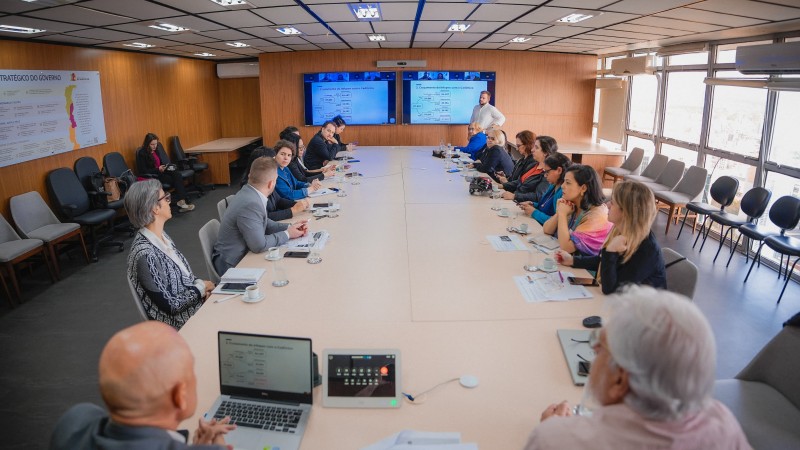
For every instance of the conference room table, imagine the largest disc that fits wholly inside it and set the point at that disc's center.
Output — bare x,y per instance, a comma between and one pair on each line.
219,154
408,266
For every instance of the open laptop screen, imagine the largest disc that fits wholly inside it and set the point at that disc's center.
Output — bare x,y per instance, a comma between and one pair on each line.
267,367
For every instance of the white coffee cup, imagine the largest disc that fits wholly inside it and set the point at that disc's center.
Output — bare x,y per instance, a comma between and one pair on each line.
549,263
523,228
274,253
252,293
505,212
319,212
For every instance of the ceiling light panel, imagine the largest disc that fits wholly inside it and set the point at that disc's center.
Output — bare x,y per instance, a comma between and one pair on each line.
288,31
22,30
138,45
366,12
458,27
377,37
168,27
237,44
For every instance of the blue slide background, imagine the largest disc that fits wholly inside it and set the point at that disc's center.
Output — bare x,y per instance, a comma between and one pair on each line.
444,102
358,102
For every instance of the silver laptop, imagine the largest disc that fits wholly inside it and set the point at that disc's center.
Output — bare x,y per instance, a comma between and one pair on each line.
266,387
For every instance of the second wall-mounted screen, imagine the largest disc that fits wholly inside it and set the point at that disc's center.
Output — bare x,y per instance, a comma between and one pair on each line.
442,98
361,98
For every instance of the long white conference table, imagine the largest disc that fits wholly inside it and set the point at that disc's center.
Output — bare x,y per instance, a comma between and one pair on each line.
408,266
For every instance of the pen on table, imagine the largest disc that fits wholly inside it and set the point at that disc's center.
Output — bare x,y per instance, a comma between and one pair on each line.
224,299
560,276
530,279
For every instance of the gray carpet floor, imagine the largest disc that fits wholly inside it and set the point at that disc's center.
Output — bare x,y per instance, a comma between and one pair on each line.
49,345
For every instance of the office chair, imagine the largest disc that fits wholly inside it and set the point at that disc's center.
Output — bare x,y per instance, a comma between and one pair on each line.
35,220
681,273
14,250
190,161
136,300
754,203
628,167
115,166
222,206
208,237
72,199
723,191
652,171
86,168
689,188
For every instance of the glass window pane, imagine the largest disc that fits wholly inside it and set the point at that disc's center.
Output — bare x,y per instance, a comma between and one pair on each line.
688,59
689,157
608,60
727,53
779,185
599,63
644,94
684,109
596,115
737,117
648,147
718,167
785,150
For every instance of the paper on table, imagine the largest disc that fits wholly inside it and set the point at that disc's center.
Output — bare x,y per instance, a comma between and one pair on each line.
506,246
301,243
242,275
545,240
549,287
421,440
320,193
330,207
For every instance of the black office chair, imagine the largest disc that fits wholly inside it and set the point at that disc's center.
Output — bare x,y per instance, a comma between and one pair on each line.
190,161
86,168
115,166
754,203
74,203
785,213
723,191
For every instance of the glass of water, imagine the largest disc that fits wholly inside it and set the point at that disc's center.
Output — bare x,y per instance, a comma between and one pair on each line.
314,253
530,266
279,277
495,196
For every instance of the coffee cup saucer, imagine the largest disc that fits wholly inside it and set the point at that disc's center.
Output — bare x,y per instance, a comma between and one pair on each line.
503,215
543,269
269,258
253,300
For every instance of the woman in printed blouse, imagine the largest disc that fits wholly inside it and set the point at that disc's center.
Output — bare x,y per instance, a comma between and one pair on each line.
555,167
581,220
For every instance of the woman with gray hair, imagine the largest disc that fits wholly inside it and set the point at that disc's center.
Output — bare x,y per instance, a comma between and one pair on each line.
650,383
163,280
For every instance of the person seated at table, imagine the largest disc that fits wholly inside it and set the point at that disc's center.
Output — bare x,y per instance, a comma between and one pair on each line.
340,125
246,226
278,208
511,148
532,184
581,220
525,140
296,166
477,141
651,383
555,166
148,384
151,160
630,254
288,186
494,157
164,282
322,148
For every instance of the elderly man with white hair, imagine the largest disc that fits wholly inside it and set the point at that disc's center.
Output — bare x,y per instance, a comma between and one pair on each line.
650,384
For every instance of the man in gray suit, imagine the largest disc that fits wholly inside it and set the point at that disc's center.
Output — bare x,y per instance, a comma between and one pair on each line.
246,226
148,384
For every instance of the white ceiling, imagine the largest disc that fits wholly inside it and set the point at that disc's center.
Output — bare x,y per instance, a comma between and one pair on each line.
329,24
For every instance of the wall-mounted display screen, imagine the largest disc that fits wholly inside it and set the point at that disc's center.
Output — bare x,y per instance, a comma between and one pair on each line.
361,98
447,98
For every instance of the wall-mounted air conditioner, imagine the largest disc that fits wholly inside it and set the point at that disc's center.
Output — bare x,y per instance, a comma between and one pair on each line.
237,70
769,58
637,65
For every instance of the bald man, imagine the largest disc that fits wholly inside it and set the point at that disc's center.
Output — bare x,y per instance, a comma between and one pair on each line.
148,384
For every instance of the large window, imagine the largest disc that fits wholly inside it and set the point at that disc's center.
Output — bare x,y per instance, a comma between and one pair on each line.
727,53
688,59
644,95
718,167
648,147
683,117
689,157
737,117
785,142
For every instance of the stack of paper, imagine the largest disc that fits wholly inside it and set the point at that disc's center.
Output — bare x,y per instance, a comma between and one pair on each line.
242,275
320,193
421,440
303,243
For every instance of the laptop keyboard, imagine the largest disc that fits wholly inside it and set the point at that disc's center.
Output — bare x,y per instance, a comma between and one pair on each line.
272,418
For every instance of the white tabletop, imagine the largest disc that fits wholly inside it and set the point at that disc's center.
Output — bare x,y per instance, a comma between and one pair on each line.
408,266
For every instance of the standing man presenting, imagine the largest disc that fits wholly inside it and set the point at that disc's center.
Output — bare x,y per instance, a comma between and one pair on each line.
485,114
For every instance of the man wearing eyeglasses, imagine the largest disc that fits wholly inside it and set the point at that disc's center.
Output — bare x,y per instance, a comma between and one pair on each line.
650,383
485,114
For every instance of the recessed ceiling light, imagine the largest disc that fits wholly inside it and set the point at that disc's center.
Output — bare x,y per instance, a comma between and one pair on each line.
138,45
520,39
168,27
230,2
577,16
24,30
376,37
204,54
237,44
458,26
366,12
288,30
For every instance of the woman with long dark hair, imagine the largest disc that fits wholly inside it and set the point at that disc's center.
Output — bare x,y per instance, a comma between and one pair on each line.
153,161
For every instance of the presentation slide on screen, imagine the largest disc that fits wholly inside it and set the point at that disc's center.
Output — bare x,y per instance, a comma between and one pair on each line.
43,113
358,102
265,363
442,101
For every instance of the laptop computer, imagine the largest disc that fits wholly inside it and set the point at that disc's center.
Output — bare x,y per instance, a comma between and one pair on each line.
266,387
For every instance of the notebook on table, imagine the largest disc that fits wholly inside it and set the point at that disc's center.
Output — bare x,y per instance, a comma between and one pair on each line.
266,389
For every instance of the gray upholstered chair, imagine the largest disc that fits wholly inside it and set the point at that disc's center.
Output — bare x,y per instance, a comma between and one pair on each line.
652,171
688,189
765,395
222,205
136,300
13,250
628,167
681,273
208,237
668,178
35,220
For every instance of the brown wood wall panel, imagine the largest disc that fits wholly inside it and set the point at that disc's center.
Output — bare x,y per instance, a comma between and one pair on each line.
548,93
141,93
240,107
